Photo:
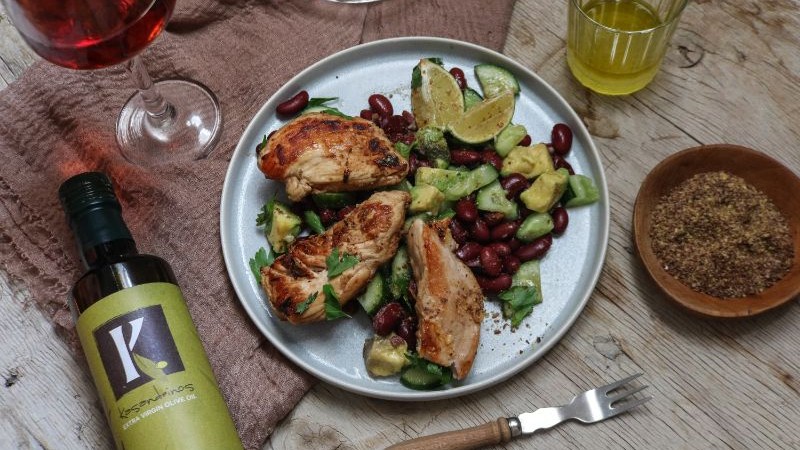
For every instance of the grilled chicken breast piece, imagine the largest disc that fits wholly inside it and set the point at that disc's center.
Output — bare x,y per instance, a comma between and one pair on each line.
371,232
321,152
449,302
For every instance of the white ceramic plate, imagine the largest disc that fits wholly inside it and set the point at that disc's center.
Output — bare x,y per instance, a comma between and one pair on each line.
332,351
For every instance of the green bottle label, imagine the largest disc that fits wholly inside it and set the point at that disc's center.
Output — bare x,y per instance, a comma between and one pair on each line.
157,387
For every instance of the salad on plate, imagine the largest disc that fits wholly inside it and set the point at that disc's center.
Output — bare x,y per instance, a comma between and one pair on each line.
420,217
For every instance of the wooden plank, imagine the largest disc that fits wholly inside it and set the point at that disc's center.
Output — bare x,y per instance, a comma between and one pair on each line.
15,56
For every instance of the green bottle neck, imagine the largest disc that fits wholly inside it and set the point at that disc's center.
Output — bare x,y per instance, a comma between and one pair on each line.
102,236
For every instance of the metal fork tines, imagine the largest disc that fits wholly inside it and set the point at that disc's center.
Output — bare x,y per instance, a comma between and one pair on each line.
591,406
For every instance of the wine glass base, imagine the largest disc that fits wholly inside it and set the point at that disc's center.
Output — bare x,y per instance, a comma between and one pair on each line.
187,132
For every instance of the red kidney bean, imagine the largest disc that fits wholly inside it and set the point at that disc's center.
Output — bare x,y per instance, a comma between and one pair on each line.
459,233
493,218
345,211
494,285
526,141
514,184
479,231
395,125
409,119
560,219
559,163
535,250
514,243
561,138
501,248
380,105
294,105
387,318
469,251
511,264
462,157
466,211
458,74
327,216
504,230
408,331
474,263
490,262
490,156
366,114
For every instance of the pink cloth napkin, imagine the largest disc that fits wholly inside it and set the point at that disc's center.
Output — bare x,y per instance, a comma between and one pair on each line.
56,122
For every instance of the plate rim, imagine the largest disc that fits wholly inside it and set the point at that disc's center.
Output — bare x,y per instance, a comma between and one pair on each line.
457,391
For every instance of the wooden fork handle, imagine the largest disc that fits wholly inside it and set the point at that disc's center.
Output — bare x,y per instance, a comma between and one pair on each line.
491,433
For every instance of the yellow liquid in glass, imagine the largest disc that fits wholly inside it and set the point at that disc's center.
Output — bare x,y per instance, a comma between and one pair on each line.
610,59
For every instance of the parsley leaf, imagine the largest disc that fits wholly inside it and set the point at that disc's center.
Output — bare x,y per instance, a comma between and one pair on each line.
332,308
303,306
336,112
314,222
519,302
262,258
338,264
319,101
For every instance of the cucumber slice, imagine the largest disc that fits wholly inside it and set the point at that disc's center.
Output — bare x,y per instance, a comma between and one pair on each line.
580,191
471,98
508,139
456,184
334,200
495,79
416,377
372,299
528,274
493,198
400,273
535,226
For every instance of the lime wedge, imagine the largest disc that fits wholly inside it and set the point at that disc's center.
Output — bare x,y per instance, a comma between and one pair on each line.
436,99
485,120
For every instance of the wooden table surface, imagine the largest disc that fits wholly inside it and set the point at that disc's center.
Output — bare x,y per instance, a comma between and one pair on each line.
731,75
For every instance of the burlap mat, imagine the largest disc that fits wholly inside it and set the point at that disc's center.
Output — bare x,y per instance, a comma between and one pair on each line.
55,122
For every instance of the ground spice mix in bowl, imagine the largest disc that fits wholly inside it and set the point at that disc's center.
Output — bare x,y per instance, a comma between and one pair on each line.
721,236
718,229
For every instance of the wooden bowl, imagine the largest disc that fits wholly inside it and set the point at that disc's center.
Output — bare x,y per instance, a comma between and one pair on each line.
776,181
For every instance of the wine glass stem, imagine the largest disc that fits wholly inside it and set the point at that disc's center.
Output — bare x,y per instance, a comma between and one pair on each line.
159,111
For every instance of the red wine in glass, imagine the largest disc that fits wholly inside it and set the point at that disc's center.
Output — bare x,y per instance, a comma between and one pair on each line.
82,34
167,121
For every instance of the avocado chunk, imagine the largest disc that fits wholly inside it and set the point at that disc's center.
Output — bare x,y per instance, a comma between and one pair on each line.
425,198
282,227
545,191
528,161
492,197
455,183
382,358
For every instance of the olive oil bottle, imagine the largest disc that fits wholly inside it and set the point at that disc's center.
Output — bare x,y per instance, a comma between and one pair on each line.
148,364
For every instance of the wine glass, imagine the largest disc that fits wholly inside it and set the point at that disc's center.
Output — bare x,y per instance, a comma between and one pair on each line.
170,120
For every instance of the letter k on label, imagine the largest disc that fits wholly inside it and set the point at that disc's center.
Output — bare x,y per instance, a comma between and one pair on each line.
125,350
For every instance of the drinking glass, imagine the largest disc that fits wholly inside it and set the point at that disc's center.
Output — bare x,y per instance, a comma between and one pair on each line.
170,120
615,47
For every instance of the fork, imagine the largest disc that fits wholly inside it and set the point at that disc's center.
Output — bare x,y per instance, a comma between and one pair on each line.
588,407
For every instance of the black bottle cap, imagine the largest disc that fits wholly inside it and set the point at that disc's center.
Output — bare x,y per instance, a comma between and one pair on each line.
92,208
85,191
